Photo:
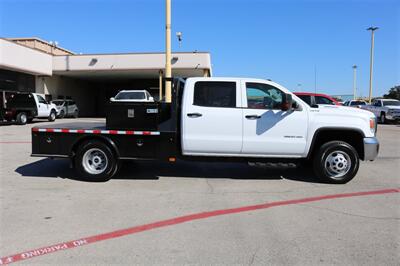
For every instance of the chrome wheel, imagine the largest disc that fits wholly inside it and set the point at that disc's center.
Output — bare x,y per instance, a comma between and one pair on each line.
94,161
337,164
52,116
23,119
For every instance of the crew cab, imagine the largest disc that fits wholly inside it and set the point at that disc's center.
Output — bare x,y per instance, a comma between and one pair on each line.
385,109
24,107
218,119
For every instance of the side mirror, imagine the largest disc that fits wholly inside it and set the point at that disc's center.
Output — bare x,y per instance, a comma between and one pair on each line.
287,102
112,99
151,99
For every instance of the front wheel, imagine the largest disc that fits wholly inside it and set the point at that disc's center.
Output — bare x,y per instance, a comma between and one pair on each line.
336,162
382,118
52,116
62,114
94,161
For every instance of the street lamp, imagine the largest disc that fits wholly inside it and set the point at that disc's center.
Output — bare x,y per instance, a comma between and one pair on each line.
371,67
179,36
354,81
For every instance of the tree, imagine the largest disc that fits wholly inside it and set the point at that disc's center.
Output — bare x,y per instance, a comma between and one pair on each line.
394,93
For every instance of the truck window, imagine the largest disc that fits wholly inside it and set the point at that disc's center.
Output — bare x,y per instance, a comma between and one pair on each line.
215,94
41,99
323,100
263,96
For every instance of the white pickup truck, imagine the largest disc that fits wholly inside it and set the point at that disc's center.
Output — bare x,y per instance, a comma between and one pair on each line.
24,107
219,119
384,109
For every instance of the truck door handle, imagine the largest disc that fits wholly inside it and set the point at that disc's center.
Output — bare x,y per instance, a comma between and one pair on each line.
253,117
194,115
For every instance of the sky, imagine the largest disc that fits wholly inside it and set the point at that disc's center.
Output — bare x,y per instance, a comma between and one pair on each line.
303,45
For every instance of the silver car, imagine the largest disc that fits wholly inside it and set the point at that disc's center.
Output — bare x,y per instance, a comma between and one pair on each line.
66,108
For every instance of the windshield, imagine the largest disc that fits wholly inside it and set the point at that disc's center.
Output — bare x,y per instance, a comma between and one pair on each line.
130,95
358,103
58,103
387,103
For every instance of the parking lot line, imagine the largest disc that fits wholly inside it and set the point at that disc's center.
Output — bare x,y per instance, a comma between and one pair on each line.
178,220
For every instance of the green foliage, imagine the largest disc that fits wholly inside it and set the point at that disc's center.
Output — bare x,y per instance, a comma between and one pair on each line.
394,93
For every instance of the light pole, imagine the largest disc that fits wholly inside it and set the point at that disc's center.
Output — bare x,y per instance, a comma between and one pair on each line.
354,82
371,67
168,78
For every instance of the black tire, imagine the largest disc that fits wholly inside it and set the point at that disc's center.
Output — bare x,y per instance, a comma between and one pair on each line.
22,118
382,118
76,114
62,114
336,162
108,163
52,116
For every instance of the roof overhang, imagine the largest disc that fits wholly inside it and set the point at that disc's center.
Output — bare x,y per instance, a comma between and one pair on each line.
22,59
130,66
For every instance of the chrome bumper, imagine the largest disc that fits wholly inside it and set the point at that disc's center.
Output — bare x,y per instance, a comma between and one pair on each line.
371,149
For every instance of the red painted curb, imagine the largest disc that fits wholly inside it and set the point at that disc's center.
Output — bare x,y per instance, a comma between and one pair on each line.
178,220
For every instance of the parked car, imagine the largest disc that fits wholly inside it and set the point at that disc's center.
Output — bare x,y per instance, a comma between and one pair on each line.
24,107
219,119
316,98
355,103
384,109
133,96
66,108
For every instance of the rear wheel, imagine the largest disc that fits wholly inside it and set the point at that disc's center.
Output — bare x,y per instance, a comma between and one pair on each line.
94,161
22,118
76,113
336,162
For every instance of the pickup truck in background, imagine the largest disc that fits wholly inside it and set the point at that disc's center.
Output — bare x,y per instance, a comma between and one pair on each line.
24,107
384,109
218,119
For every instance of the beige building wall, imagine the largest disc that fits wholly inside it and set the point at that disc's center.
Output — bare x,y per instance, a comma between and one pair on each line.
80,91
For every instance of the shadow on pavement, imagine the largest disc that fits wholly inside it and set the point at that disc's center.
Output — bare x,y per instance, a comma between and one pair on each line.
152,170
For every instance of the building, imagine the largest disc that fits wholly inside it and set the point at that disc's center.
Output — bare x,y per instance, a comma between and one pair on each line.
34,65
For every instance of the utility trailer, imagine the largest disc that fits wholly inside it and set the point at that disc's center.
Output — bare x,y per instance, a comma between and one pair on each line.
217,119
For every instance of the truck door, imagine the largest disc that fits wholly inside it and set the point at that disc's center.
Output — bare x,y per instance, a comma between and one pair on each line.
43,107
211,119
267,130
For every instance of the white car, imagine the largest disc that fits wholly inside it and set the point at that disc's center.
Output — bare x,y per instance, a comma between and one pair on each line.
66,108
133,96
355,103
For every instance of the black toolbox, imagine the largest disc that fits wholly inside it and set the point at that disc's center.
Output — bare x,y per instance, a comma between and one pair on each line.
143,116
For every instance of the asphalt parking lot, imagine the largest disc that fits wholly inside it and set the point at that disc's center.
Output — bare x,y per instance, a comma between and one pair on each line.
284,216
